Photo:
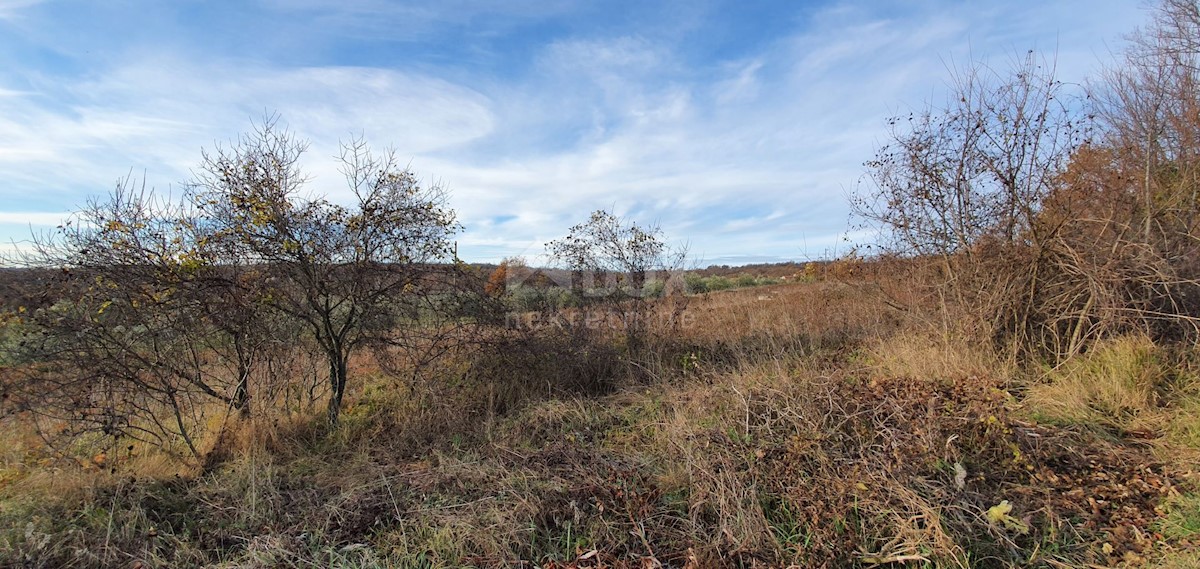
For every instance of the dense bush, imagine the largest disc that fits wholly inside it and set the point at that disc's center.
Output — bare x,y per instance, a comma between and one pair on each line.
1044,219
697,284
525,298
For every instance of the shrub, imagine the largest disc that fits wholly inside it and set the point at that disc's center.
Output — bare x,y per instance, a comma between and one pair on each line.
717,283
524,298
654,289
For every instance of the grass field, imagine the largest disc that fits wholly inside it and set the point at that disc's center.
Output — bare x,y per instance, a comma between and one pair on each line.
801,425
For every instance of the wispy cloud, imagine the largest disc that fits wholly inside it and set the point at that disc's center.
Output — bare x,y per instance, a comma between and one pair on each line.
532,113
155,115
34,218
12,8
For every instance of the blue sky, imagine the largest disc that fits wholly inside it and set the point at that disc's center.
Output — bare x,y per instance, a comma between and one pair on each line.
738,126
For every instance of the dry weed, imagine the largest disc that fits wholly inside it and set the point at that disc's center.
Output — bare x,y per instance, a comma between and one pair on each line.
1117,385
933,357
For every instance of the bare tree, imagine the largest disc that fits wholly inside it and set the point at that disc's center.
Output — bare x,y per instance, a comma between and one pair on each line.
1135,196
1052,231
353,275
611,262
977,168
124,347
963,185
1150,104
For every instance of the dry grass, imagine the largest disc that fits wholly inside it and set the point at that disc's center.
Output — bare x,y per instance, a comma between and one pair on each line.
1182,428
1117,385
780,426
826,313
934,357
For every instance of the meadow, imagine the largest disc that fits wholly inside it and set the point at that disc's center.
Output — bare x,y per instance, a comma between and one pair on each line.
806,424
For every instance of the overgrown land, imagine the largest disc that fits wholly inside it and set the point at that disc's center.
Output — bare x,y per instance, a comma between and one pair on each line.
245,375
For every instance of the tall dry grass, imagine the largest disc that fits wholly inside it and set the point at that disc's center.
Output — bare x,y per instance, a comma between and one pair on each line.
805,425
1119,385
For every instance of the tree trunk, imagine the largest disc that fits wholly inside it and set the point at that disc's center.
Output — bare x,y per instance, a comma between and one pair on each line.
241,394
241,397
179,423
337,384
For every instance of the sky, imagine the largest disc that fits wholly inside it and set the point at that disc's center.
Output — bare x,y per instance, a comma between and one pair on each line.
738,127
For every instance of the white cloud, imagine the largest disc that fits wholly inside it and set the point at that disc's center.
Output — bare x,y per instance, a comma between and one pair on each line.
755,157
10,9
743,86
155,115
631,55
749,155
34,218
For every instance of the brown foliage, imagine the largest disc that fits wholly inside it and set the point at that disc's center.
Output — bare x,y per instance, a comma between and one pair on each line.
1037,236
497,282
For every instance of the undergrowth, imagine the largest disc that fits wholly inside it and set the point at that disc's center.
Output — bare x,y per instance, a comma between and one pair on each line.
798,425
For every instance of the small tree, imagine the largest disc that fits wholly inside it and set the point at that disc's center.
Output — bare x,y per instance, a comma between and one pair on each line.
611,261
978,168
124,346
166,309
498,281
963,185
353,275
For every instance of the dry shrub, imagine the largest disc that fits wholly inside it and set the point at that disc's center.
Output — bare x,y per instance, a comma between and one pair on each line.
767,449
1088,280
884,455
515,369
1096,280
549,362
760,469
